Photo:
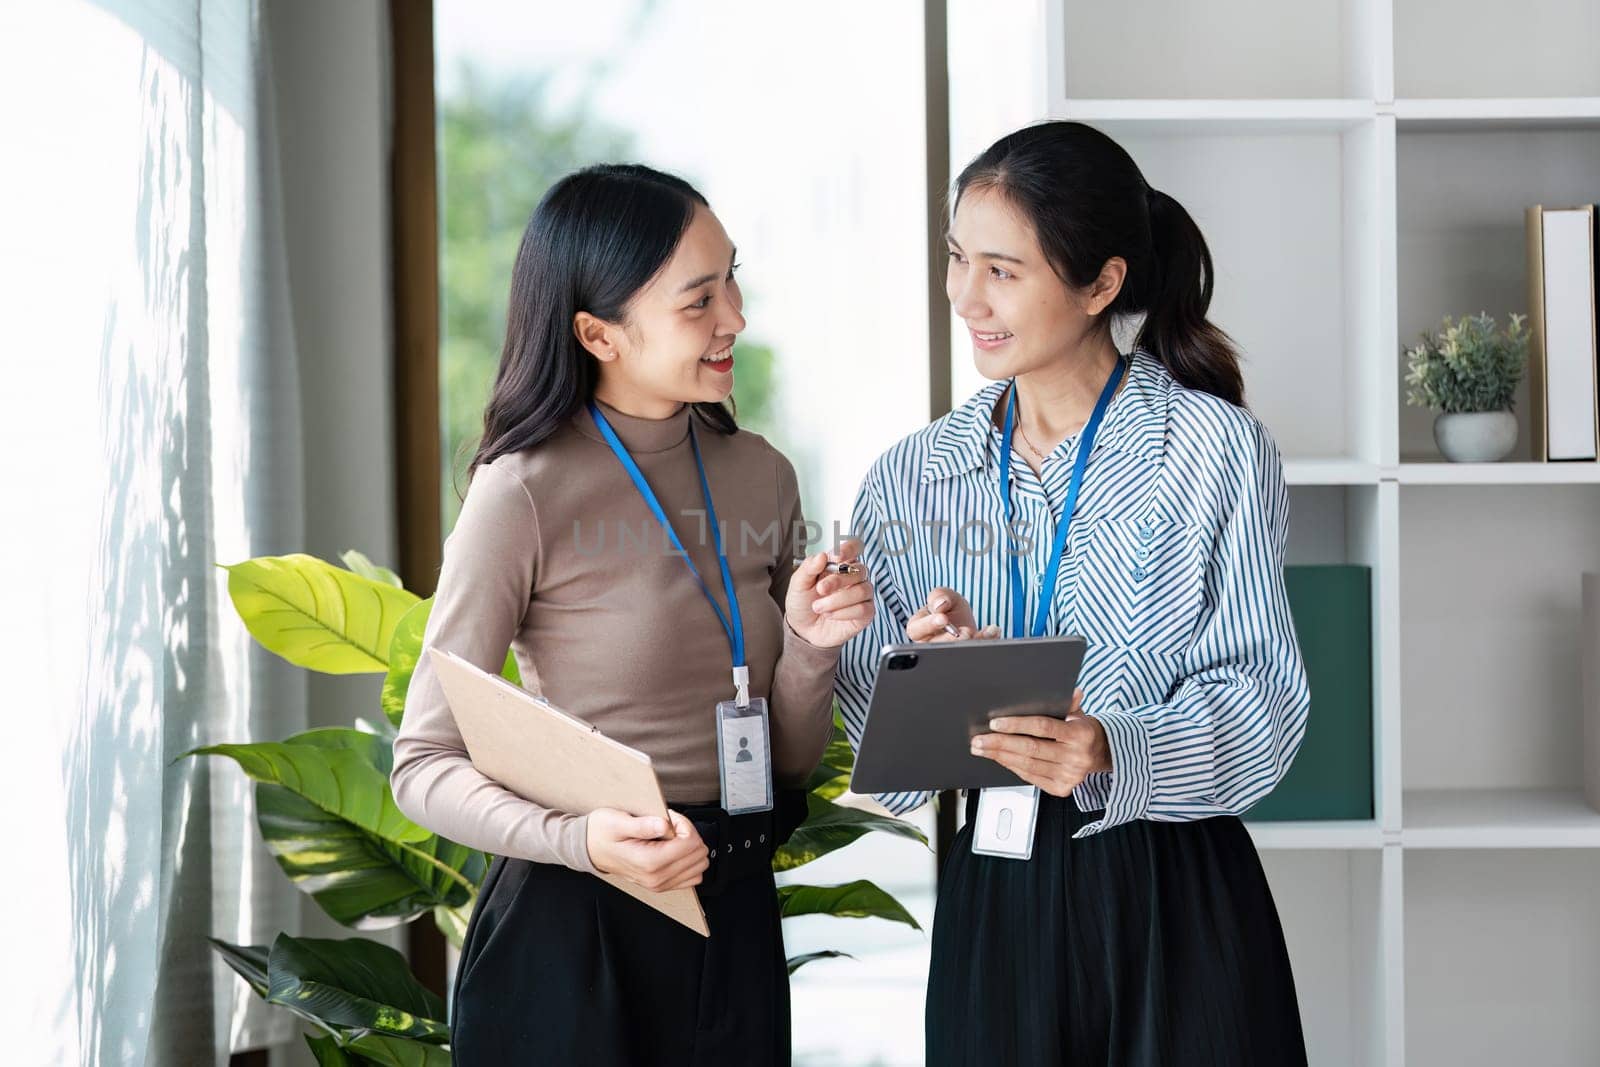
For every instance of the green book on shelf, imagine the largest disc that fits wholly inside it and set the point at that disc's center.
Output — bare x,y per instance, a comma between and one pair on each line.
1332,776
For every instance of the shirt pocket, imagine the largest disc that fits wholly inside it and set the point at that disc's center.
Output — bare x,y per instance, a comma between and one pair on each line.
1140,584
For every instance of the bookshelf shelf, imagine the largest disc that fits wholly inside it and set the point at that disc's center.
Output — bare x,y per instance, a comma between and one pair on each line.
1530,113
1306,836
1498,473
1360,169
1499,819
1211,117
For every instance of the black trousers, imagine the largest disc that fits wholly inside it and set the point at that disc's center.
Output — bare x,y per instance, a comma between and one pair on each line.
1146,945
558,967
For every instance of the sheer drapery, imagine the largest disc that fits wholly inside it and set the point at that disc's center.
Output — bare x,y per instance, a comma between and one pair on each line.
151,432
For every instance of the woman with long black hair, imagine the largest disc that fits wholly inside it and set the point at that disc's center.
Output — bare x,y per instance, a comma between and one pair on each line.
1127,496
611,497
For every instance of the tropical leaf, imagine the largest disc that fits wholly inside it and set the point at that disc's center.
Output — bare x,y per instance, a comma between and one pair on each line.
342,841
853,900
374,749
797,962
831,826
398,1051
316,615
341,1046
359,879
358,562
405,648
328,1051
452,922
839,757
248,962
251,954
831,779
353,984
828,783
379,727
335,774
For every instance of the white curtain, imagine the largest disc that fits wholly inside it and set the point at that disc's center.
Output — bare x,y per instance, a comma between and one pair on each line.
150,432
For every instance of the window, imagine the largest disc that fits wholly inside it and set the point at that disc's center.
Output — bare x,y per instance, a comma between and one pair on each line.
806,135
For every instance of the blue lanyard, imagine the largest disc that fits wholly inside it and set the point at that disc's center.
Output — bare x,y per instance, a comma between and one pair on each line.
734,628
1047,589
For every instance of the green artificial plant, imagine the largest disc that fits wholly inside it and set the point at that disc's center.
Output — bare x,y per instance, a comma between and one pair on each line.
326,813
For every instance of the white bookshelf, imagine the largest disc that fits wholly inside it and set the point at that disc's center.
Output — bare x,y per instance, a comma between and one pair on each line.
1327,834
1507,473
1360,169
1500,819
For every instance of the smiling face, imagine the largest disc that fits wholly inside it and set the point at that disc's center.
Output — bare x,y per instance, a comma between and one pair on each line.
676,345
1022,317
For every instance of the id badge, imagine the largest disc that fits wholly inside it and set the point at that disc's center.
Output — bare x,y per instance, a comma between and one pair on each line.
1004,825
744,756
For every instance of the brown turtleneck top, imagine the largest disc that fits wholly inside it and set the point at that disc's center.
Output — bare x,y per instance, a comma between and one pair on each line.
557,557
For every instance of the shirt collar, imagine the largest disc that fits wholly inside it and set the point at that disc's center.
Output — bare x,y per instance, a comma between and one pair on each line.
1136,422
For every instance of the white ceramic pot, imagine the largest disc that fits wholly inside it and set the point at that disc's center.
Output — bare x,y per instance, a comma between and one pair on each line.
1476,436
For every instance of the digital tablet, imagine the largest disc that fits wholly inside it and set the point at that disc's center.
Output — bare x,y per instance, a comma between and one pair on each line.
930,700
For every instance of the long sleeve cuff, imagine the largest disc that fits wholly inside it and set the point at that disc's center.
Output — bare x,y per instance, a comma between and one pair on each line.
819,660
801,706
572,843
443,791
1128,797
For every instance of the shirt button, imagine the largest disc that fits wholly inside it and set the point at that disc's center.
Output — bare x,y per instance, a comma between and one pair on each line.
1141,553
1146,533
1138,574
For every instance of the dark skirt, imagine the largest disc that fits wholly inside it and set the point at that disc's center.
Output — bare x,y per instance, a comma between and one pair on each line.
557,967
1146,945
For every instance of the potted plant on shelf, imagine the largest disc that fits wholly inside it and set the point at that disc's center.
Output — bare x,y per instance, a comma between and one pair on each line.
325,811
1467,370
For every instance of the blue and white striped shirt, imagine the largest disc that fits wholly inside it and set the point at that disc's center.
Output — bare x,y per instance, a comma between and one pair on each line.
1173,572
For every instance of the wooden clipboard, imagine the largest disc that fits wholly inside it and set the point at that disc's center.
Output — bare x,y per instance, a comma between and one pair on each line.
557,760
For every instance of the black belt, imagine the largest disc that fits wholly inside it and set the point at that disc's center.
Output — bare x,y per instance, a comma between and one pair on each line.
972,805
743,845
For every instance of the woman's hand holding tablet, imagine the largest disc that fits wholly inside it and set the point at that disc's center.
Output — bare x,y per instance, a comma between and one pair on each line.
1051,753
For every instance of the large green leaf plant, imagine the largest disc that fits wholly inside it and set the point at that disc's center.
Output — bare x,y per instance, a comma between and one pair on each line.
326,813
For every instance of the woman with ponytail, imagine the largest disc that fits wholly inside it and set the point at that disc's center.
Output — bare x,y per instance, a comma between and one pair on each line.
1138,930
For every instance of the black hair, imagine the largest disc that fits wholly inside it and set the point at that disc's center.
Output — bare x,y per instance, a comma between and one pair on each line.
1087,202
597,237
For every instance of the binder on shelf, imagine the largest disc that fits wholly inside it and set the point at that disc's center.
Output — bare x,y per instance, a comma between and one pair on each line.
1332,775
1563,406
